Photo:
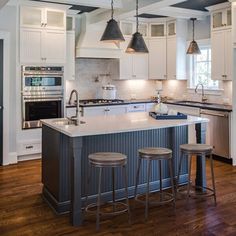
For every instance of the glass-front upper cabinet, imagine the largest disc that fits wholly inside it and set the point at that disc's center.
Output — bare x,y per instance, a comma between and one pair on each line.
157,30
143,29
36,17
221,19
171,28
127,28
31,17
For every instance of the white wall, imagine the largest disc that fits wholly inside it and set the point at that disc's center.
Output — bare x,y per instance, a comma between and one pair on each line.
8,21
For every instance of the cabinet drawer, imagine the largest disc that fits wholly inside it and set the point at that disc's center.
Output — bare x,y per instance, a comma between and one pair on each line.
27,148
137,107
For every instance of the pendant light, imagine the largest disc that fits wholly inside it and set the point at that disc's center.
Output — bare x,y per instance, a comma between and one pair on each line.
112,33
193,47
137,43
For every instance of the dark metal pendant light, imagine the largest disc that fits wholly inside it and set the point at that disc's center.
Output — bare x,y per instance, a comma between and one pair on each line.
193,47
137,43
112,33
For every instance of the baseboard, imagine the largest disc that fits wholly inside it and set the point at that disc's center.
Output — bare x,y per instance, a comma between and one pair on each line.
9,159
29,157
223,159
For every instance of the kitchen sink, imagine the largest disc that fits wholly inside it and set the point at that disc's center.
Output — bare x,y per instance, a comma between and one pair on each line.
63,122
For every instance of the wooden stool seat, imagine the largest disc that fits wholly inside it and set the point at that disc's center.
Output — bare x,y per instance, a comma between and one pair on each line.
155,153
196,148
107,159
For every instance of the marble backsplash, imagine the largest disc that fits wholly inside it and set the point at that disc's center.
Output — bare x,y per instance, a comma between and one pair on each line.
92,74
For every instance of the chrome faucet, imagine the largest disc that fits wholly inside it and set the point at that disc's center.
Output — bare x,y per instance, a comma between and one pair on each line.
204,98
75,119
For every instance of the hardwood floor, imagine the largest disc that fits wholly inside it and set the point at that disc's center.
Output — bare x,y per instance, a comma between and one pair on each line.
23,212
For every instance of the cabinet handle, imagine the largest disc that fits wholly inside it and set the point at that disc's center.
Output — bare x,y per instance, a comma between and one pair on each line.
42,24
29,147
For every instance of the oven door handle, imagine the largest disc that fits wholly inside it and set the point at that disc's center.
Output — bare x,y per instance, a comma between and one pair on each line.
42,99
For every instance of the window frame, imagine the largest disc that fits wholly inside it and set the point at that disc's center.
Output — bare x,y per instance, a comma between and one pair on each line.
191,88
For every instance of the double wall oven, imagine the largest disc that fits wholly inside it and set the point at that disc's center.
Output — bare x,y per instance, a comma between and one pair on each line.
42,95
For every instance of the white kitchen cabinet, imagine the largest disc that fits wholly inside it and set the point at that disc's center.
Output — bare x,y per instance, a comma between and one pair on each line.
29,147
157,30
104,110
133,66
171,58
150,107
70,56
157,59
128,28
54,46
140,107
36,17
42,46
171,28
222,54
31,45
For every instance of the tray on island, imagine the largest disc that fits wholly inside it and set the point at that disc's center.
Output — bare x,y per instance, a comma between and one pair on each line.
179,116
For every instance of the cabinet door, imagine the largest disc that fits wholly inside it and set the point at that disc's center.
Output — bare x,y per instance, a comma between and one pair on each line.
31,46
31,17
54,46
126,62
228,55
70,56
218,55
140,66
217,20
94,111
55,19
116,110
157,59
158,30
171,58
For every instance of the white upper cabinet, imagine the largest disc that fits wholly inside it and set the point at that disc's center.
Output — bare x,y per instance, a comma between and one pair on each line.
157,59
222,55
31,45
171,58
133,66
42,17
221,17
171,28
128,28
70,56
42,35
157,30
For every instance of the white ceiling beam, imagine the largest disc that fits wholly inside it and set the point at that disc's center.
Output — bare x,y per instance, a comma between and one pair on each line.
177,12
128,9
3,3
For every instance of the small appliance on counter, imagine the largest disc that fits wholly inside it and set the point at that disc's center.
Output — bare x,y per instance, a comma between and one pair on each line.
109,92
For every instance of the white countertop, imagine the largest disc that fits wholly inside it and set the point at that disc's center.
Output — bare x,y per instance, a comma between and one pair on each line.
111,124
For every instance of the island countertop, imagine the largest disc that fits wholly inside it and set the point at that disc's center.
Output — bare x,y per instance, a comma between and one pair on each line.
112,124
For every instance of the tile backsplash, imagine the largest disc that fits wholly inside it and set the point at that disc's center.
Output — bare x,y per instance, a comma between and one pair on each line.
92,74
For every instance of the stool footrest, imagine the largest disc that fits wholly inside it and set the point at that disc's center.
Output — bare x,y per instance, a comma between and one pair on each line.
169,196
114,212
204,191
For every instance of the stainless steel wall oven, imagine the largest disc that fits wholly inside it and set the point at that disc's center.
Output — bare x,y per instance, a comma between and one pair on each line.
42,95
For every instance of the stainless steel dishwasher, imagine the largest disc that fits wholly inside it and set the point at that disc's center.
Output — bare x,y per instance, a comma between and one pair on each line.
218,134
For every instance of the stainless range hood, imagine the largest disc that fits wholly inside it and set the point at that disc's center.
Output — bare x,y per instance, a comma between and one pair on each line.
89,44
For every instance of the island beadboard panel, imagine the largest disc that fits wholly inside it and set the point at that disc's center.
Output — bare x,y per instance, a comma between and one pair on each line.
56,162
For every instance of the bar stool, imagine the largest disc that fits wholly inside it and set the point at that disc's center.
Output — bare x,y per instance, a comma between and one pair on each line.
107,160
202,150
151,154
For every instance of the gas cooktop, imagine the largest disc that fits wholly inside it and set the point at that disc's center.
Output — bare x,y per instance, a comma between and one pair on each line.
100,101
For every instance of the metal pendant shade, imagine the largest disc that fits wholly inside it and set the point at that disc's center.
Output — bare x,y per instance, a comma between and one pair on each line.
137,43
193,48
112,33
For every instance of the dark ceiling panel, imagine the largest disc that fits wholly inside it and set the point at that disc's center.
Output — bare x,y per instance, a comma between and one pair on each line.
150,16
198,4
80,8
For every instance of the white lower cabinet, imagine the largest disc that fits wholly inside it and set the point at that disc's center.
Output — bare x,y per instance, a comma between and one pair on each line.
188,111
29,147
150,107
104,110
137,107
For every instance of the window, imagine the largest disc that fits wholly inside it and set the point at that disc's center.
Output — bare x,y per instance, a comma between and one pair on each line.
201,69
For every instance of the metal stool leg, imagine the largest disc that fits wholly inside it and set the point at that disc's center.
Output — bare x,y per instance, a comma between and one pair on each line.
87,184
213,178
137,177
147,191
189,176
113,188
172,180
99,199
126,190
160,177
179,169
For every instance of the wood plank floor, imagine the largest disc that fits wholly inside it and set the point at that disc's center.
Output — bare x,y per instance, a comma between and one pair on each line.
23,212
